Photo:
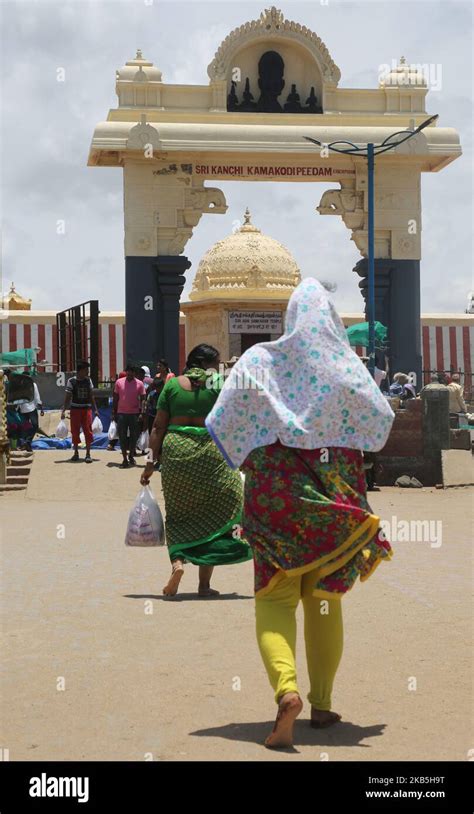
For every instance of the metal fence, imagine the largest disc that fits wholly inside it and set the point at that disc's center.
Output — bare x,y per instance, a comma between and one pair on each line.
78,337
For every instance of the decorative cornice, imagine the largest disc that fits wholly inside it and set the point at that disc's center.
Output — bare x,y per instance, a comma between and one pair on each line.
272,23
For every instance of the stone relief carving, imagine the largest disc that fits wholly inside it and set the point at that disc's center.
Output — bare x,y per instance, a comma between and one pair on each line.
340,201
346,202
206,200
143,134
273,24
177,207
142,242
350,205
382,242
174,243
255,278
406,246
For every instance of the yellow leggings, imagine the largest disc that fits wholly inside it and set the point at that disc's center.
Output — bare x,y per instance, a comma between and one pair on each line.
276,636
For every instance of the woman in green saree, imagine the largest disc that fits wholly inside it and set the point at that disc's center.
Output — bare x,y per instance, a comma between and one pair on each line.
203,496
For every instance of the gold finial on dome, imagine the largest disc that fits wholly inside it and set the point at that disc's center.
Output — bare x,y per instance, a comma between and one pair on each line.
15,302
247,224
139,54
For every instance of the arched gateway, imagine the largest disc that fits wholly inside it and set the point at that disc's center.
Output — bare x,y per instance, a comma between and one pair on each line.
272,82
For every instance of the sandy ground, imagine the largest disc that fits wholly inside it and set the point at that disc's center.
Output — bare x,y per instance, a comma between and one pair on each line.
183,680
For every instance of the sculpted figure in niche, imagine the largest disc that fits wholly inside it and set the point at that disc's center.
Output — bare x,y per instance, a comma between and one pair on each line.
255,278
270,81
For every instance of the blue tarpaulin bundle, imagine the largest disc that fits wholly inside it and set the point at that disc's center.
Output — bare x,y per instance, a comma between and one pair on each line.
100,442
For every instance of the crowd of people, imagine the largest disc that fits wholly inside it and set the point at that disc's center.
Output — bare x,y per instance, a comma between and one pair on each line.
265,463
403,388
134,400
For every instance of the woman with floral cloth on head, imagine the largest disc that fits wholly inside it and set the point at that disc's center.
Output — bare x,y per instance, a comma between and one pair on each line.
296,414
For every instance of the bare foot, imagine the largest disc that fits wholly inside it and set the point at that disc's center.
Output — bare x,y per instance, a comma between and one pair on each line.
289,708
171,588
321,718
207,592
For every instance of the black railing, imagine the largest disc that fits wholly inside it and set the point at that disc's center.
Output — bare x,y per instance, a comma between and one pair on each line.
78,337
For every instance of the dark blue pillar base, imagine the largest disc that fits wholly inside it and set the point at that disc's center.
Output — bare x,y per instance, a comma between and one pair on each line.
397,305
153,286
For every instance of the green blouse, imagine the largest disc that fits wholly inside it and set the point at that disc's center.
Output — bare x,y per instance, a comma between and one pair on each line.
197,402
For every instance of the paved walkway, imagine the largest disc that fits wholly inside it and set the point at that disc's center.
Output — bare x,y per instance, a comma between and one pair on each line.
183,680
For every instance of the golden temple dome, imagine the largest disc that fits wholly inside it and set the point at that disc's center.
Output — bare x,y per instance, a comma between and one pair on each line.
15,302
246,263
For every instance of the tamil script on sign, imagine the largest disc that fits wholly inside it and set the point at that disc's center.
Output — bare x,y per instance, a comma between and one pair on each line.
255,322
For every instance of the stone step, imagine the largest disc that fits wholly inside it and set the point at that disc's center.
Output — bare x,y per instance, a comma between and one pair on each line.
11,487
18,470
16,479
20,454
24,462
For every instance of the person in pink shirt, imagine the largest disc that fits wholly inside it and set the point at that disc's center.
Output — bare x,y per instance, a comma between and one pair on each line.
129,393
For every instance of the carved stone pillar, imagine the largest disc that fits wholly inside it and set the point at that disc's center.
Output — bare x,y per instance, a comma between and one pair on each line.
170,283
397,252
163,203
397,305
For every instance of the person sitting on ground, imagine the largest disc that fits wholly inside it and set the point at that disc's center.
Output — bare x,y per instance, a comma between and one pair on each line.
456,400
402,387
80,401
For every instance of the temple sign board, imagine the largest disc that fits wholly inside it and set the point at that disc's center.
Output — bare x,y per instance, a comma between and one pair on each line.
255,322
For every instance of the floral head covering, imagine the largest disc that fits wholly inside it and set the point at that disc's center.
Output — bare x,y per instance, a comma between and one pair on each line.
307,389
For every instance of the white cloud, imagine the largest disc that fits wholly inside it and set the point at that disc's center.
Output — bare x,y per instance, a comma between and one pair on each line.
47,127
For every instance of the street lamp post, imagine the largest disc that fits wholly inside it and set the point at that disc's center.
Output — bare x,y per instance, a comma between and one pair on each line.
370,151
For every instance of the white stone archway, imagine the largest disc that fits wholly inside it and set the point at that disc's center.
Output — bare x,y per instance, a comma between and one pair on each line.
173,140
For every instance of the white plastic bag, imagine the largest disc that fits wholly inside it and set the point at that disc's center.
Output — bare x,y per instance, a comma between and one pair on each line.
113,432
62,430
145,522
143,441
97,425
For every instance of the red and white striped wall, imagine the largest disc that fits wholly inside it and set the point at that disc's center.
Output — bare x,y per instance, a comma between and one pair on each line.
30,329
448,347
111,348
447,340
16,335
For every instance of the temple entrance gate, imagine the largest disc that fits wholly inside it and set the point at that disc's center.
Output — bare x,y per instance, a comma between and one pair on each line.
271,83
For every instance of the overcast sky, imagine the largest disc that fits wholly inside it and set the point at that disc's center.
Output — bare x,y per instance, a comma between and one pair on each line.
47,126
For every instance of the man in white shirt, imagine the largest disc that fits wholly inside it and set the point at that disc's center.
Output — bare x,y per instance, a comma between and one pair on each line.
456,399
30,409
